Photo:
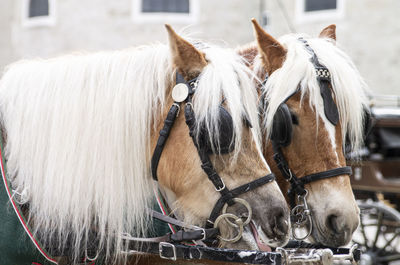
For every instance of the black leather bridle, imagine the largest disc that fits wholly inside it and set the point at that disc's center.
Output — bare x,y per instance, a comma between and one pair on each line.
301,214
227,196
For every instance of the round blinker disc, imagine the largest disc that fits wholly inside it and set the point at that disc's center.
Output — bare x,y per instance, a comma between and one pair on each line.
180,92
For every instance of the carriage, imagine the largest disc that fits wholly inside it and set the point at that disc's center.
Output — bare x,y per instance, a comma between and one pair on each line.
376,184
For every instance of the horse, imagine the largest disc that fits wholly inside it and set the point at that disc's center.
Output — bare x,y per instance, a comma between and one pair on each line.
82,132
312,101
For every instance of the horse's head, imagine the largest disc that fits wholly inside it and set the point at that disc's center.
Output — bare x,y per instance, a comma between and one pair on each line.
218,124
313,99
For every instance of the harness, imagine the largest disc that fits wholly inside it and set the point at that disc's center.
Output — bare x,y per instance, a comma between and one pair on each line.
167,246
170,246
281,137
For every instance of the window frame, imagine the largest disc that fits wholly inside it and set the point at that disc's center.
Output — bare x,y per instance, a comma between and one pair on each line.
303,16
38,21
138,16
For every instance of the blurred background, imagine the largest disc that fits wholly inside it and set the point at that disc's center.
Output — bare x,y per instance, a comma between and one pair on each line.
368,30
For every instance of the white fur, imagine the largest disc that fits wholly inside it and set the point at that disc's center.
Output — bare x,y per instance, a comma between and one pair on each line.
297,71
78,133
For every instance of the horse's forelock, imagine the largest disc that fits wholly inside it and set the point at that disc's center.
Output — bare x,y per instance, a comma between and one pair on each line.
297,71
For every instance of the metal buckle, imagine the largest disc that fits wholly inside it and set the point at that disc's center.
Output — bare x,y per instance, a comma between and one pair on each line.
302,215
179,108
204,234
167,245
289,172
223,186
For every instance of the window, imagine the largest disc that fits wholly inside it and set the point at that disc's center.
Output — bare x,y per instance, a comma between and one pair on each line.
171,6
312,10
38,13
317,5
161,11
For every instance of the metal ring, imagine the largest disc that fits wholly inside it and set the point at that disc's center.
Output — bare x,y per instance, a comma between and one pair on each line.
294,228
239,223
245,204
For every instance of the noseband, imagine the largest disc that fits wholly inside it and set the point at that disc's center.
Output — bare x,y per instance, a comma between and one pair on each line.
301,214
183,93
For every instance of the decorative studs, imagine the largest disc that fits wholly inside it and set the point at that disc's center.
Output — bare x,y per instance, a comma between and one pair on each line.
323,72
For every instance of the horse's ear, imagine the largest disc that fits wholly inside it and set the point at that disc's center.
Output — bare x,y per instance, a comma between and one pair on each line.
272,52
189,61
329,32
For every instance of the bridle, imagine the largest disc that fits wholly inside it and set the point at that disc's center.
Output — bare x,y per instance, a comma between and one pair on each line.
183,93
301,214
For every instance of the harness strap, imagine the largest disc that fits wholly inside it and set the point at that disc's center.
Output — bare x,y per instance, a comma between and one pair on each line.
198,233
324,80
297,184
236,192
178,251
206,164
326,174
162,139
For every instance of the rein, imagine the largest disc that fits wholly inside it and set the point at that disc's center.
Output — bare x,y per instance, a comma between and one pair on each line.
301,213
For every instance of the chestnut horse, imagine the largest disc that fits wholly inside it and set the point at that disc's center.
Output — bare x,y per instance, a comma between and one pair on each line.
81,129
308,123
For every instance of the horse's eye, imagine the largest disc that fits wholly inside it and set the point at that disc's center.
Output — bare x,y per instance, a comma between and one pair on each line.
295,119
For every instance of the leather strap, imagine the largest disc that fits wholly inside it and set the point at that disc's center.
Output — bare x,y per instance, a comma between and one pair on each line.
198,233
336,251
168,123
326,174
178,251
297,184
330,108
235,193
162,139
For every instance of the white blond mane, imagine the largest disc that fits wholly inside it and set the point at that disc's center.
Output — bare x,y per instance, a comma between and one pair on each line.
297,71
78,133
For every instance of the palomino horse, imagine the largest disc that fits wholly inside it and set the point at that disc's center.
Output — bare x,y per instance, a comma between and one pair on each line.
81,129
312,100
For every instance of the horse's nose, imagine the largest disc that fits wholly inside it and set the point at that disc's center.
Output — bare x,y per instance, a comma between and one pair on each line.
341,227
279,224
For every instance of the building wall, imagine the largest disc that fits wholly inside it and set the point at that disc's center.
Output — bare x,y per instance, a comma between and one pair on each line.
6,49
102,24
369,32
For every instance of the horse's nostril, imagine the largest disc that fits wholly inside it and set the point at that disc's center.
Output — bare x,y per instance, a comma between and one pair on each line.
280,224
332,223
